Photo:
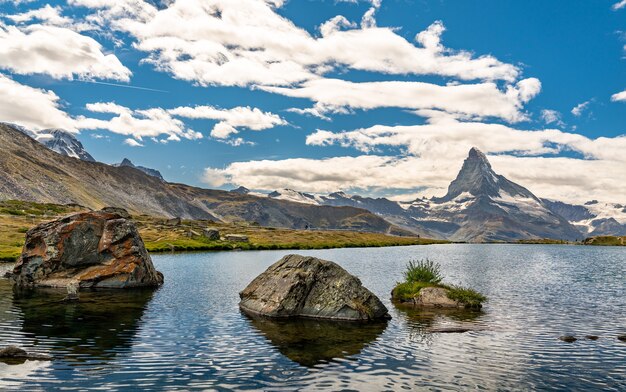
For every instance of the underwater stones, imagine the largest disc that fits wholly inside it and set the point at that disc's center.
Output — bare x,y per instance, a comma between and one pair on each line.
98,249
299,286
568,338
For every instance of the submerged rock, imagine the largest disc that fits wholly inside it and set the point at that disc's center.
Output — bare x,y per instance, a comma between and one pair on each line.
568,338
592,337
622,338
100,249
310,287
16,353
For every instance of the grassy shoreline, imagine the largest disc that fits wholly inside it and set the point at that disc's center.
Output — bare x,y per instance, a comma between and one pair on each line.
17,217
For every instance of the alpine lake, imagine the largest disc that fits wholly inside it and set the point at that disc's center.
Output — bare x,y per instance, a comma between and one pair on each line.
190,334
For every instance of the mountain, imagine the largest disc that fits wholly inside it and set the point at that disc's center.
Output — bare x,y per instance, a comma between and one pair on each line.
151,172
57,140
593,218
64,143
480,205
31,172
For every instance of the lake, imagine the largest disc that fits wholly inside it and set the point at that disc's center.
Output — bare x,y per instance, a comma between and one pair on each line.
190,335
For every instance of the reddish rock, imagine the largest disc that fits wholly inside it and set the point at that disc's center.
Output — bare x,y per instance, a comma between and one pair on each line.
100,249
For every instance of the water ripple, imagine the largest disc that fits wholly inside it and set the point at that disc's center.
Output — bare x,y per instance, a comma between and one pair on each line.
189,335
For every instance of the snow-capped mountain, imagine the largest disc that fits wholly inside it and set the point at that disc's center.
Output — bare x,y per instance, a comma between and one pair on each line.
593,218
295,196
64,143
57,140
480,205
151,172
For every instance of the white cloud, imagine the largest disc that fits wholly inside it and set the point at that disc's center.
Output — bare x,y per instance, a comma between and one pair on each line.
214,177
246,42
31,107
132,143
550,116
619,97
580,108
434,153
48,14
151,123
231,119
58,52
473,100
619,5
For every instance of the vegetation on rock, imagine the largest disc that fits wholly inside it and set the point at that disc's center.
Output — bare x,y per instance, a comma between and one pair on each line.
421,274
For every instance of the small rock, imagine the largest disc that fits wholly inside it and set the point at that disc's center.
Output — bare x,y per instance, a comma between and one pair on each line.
211,233
591,337
14,355
13,352
449,330
236,238
622,338
568,338
173,222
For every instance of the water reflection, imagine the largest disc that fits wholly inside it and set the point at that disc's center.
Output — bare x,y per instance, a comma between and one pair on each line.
99,326
310,342
423,322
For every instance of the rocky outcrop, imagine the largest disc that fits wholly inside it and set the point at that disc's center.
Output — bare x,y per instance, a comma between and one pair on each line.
100,249
211,233
299,286
435,297
236,238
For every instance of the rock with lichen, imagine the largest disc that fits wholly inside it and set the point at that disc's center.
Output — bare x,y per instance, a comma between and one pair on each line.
97,249
299,286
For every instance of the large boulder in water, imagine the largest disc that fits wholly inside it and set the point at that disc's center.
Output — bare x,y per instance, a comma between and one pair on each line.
310,287
100,249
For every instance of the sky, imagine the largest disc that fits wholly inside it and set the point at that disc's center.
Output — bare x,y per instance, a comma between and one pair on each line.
375,97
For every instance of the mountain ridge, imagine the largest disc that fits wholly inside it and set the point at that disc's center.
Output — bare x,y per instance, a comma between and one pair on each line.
32,172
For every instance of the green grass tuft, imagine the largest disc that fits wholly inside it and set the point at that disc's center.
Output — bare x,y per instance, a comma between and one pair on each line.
471,298
424,271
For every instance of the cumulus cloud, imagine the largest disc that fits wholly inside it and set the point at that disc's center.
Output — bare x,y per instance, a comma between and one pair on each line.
550,116
151,123
246,42
469,100
231,119
619,97
56,51
31,107
48,14
433,154
579,109
132,143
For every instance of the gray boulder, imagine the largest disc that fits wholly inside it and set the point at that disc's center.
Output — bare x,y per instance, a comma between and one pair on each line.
211,234
298,286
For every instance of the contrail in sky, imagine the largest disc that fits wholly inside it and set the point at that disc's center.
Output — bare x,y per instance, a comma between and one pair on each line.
125,86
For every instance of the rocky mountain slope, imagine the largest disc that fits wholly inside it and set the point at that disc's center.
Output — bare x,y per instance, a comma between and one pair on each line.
31,172
57,140
480,205
593,218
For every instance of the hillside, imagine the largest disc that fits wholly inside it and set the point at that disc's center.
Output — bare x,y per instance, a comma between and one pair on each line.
32,172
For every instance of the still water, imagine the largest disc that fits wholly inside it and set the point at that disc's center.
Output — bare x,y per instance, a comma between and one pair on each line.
190,335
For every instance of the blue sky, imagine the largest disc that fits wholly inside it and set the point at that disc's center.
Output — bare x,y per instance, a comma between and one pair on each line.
505,76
